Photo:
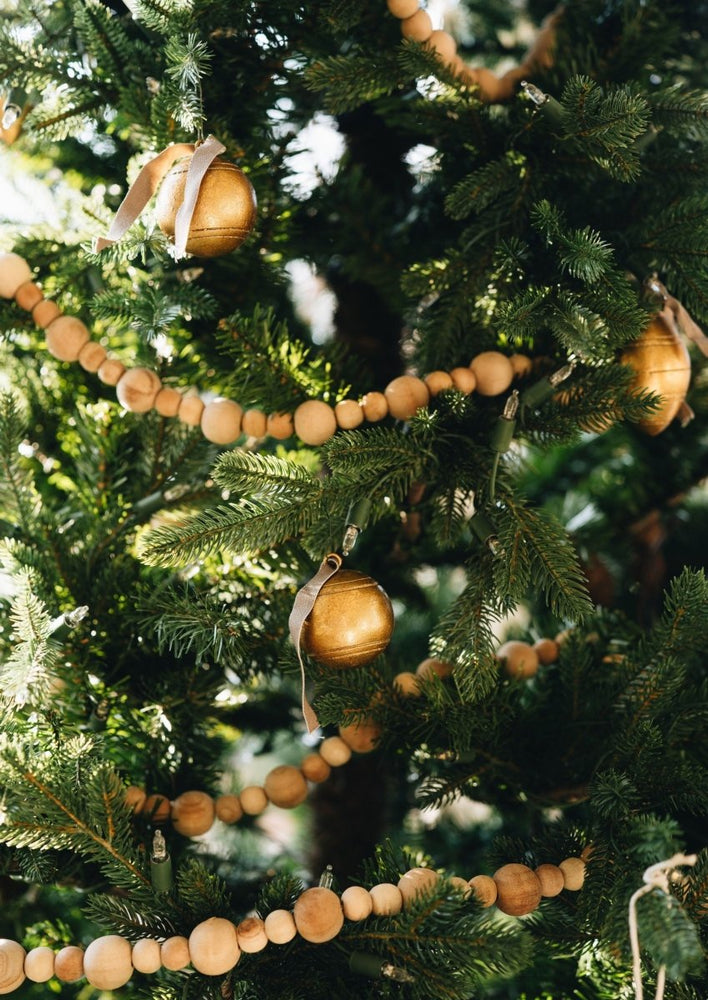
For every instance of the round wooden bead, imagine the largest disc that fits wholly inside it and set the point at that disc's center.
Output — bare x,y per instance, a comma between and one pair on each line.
375,406
386,899
318,915
285,786
136,388
403,8
69,964
14,271
493,372
193,813
253,800
39,964
573,873
348,414
357,903
407,684
416,881
314,422
146,955
518,889
45,312
280,425
521,364
431,665
280,926
157,808
551,879
221,421
108,962
335,751
362,737
167,401
111,371
135,798
437,381
459,883
214,947
547,650
12,961
91,356
405,395
464,380
28,296
484,888
254,423
190,410
315,768
174,953
418,27
66,335
519,658
252,936
491,89
662,365
228,808
444,44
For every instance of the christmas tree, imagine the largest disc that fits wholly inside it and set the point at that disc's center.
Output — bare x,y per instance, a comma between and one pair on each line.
352,426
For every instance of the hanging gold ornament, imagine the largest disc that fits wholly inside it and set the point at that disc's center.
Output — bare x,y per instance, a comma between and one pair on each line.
662,365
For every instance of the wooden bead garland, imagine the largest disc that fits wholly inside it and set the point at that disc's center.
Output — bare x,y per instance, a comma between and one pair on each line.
214,947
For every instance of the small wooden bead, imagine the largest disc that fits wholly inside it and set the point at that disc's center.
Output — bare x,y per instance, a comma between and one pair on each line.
431,665
280,926
493,372
520,364
357,903
573,873
39,964
464,380
69,964
285,786
407,684
221,421
361,737
318,915
174,953
418,27
315,768
65,336
14,271
214,947
280,425
193,813
254,423
190,410
45,312
28,296
135,798
416,881
551,879
519,658
108,962
444,44
348,414
547,650
405,395
12,965
386,899
461,884
437,381
146,955
136,388
403,8
111,371
518,889
167,401
251,935
91,356
314,422
253,800
228,808
375,406
156,808
335,751
484,888
491,88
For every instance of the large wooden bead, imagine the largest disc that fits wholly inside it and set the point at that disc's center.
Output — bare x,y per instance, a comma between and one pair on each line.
39,964
174,953
386,899
228,808
280,926
661,365
14,271
357,903
193,813
136,388
405,395
417,27
65,338
12,964
521,364
221,421
285,786
318,915
69,964
348,414
403,8
573,873
334,751
493,371
108,963
156,808
551,879
224,213
350,623
518,889
253,800
28,296
484,888
518,658
362,737
375,406
314,422
146,955
252,935
214,947
415,881
315,768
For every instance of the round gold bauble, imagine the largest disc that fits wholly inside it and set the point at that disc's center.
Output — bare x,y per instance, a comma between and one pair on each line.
350,623
661,365
224,214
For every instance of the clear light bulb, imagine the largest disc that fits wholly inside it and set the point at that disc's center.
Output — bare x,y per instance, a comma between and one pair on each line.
10,115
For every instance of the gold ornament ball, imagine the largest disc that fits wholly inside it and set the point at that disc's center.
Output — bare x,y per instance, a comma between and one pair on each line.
386,899
193,813
519,658
551,879
214,947
357,903
108,963
14,271
315,768
285,786
280,926
415,881
12,965
361,737
65,338
350,623
518,890
39,964
136,388
251,935
405,395
224,213
573,873
485,889
493,371
69,964
662,365
314,422
146,955
318,915
174,953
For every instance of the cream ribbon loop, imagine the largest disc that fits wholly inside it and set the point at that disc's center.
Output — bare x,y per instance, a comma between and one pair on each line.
198,166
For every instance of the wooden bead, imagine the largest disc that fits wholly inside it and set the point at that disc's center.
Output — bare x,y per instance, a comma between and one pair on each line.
573,873
285,786
315,768
146,955
135,798
520,364
547,650
174,953
12,964
193,813
251,935
318,915
662,365
228,808
39,964
214,947
416,881
405,395
357,903
407,684
444,44
348,414
485,889
431,665
335,751
418,27
14,271
491,89
519,658
460,883
518,889
375,406
493,372
386,899
280,926
280,425
361,737
28,296
221,421
437,381
314,422
167,401
45,312
464,380
108,962
551,879
65,336
69,964
253,800
156,808
91,356
254,423
190,410
111,371
402,8
136,388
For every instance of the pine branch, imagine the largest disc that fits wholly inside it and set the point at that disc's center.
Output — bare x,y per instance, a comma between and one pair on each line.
26,674
483,187
252,475
18,498
346,82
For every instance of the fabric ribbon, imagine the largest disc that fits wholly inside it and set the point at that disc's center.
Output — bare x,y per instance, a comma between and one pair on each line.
302,606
